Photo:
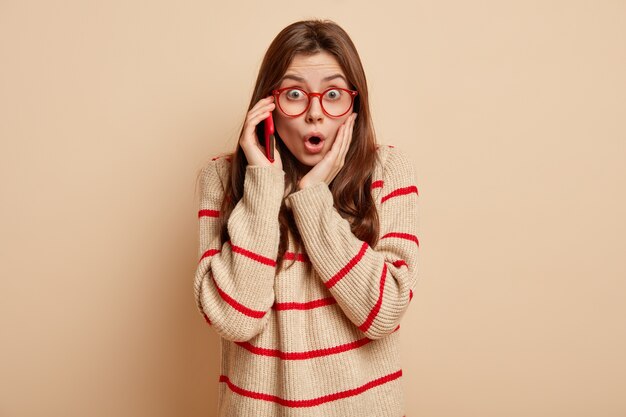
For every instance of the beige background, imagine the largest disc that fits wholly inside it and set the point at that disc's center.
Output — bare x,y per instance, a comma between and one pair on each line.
513,112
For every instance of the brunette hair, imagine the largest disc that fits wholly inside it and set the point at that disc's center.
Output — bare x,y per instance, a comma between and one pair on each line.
351,187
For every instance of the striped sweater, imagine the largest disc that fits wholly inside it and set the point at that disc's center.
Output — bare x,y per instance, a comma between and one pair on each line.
321,337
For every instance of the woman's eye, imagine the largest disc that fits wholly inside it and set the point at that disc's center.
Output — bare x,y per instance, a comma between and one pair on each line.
333,94
294,94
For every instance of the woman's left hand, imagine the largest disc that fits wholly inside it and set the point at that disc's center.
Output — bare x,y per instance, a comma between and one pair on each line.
326,169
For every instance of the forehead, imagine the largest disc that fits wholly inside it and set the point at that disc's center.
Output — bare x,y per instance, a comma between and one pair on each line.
314,68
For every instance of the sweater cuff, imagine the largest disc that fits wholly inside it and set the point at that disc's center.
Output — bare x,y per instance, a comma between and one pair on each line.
264,187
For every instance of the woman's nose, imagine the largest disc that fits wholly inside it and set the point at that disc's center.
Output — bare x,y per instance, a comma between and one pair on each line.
315,110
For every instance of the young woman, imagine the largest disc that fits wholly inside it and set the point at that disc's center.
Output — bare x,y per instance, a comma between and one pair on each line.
307,264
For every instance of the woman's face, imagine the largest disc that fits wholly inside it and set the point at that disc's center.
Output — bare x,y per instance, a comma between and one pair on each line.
315,72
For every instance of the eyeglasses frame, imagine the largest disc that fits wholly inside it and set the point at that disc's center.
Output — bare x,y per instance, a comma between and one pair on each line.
276,93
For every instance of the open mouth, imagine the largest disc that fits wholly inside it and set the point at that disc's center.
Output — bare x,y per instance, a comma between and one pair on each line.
314,144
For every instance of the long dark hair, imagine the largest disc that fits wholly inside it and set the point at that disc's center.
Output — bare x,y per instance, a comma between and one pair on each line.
351,188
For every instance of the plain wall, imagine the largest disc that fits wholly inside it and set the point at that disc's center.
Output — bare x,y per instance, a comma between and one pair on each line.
512,111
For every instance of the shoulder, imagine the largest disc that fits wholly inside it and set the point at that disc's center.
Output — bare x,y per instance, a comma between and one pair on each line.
395,162
216,171
397,177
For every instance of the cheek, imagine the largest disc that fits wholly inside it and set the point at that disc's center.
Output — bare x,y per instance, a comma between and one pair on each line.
337,127
279,125
284,129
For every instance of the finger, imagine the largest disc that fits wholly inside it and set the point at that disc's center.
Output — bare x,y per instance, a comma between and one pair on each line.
337,151
352,123
263,102
342,142
348,137
262,109
336,148
254,119
259,108
251,124
351,134
347,133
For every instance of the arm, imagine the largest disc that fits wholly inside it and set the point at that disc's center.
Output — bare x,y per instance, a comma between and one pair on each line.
373,286
234,280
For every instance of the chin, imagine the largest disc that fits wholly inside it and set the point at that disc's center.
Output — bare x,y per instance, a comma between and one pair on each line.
312,160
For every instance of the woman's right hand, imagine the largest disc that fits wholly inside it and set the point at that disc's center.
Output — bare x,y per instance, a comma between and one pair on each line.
249,141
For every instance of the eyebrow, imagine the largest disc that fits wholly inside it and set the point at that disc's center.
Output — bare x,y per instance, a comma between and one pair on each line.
330,77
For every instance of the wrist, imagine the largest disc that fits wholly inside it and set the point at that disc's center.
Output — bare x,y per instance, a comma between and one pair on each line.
302,185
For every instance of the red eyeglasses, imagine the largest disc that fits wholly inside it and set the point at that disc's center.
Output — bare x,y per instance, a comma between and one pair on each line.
294,101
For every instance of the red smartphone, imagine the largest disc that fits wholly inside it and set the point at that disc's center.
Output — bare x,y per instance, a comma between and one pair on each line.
265,133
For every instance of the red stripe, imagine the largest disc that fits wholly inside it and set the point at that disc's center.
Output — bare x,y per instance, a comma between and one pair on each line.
310,305
304,355
399,263
307,354
209,252
302,257
410,295
342,273
370,318
220,156
377,184
400,235
400,191
314,401
255,256
238,306
208,213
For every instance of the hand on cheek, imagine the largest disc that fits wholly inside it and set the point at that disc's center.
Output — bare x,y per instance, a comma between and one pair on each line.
331,164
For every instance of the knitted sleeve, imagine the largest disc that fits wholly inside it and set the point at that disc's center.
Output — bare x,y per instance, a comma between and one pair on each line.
373,286
234,280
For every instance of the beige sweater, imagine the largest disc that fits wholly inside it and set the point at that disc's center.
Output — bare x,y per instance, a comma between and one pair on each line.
321,337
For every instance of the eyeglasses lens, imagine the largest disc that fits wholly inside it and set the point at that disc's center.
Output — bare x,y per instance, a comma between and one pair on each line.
335,101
